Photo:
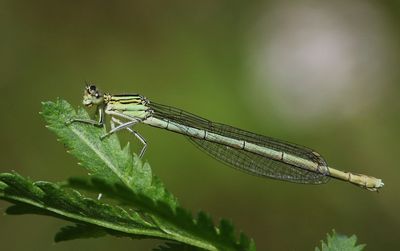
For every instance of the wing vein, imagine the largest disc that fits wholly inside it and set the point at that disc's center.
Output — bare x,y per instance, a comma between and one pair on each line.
243,160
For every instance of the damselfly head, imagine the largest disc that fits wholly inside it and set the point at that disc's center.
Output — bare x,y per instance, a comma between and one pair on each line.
92,96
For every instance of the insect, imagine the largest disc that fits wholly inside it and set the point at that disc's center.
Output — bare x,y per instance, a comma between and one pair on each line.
249,152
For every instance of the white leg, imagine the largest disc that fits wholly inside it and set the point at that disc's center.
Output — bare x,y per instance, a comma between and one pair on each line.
137,135
119,127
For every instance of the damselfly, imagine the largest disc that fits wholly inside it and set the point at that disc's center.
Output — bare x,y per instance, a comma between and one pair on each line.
249,152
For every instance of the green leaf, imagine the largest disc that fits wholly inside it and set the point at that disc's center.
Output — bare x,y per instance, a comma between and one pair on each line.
337,242
46,198
135,202
102,158
70,205
179,222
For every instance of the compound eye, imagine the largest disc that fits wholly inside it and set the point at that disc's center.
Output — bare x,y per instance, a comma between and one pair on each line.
97,95
92,88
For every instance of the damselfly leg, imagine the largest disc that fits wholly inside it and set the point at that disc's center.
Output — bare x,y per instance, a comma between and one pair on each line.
120,127
99,123
137,135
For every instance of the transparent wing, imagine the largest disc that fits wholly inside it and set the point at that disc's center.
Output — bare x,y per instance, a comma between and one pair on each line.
243,160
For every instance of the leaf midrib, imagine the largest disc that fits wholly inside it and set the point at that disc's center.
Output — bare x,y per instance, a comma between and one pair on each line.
99,153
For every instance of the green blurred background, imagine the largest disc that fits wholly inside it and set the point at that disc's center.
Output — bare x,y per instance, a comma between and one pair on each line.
321,74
